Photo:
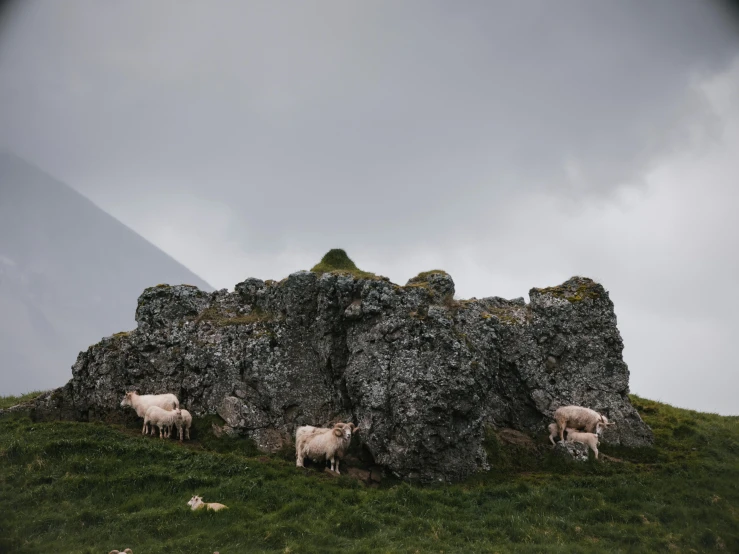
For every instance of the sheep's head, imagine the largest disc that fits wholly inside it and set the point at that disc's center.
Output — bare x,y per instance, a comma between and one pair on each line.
602,425
344,430
195,502
127,400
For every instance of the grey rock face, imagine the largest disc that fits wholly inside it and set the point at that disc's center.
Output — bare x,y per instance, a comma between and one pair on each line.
420,372
575,451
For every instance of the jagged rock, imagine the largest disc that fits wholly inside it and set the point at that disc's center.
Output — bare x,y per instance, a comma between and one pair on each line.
420,372
576,451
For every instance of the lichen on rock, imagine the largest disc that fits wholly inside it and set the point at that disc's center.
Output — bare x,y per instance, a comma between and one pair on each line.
421,373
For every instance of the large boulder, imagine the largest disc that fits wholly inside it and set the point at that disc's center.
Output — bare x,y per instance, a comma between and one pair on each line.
420,372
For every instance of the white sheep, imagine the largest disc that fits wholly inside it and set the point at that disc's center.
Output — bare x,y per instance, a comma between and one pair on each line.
183,423
142,402
580,418
196,503
553,430
590,439
319,443
164,419
126,551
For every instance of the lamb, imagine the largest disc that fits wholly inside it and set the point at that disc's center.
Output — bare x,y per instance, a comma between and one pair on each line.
590,439
323,443
164,419
141,403
553,433
183,423
196,503
580,418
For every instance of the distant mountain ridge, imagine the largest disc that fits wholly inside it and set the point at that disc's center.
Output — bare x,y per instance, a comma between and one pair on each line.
69,274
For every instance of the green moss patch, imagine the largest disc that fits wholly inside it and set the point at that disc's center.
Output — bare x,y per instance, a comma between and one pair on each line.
575,290
337,261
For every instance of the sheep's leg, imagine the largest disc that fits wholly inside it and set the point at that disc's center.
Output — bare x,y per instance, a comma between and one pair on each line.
595,450
187,433
144,430
299,461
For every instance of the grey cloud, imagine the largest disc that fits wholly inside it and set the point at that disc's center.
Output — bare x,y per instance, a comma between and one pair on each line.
402,131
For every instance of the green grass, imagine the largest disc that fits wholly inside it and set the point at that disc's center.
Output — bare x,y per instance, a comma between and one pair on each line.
9,401
89,488
336,260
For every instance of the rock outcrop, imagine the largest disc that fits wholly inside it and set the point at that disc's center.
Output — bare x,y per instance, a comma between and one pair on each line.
421,373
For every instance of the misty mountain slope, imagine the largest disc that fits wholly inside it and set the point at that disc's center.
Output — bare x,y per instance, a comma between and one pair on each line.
69,275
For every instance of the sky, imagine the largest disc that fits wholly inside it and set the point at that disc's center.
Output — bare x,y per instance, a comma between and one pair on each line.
514,144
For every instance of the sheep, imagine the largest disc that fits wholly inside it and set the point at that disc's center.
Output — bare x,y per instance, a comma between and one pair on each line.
140,403
183,423
590,439
164,419
580,418
553,433
196,503
323,443
126,551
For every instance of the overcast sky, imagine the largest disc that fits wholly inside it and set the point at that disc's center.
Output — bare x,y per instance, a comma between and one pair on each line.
514,144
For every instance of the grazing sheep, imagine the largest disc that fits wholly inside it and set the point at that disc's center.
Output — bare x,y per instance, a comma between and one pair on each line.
196,503
142,402
164,419
183,423
319,443
580,418
590,439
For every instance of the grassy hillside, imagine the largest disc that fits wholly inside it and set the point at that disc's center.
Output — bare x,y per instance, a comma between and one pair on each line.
76,487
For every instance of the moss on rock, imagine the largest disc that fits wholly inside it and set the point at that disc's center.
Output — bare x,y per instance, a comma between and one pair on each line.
338,261
575,290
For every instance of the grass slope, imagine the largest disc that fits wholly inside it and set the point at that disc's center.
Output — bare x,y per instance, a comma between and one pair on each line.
83,487
10,401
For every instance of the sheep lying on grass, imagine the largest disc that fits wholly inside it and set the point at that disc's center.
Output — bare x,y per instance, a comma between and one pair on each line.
589,439
196,503
164,419
183,423
142,402
319,443
580,418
